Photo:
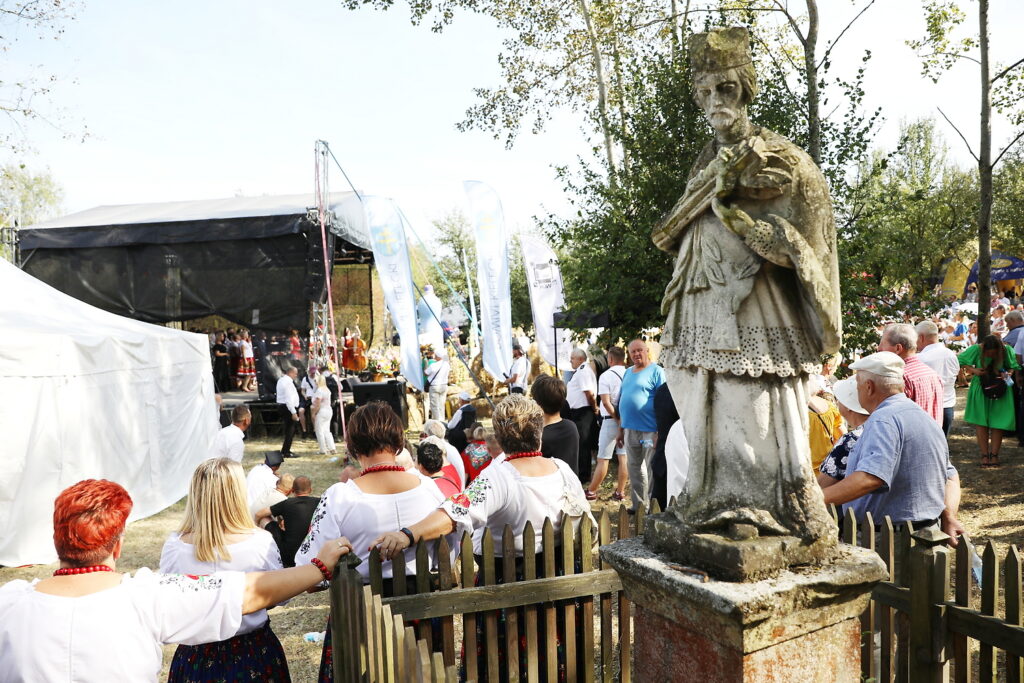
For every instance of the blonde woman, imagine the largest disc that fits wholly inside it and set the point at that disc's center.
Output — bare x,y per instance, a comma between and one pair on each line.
218,534
322,414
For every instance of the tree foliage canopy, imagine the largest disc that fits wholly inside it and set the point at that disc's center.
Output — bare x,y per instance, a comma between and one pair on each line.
454,237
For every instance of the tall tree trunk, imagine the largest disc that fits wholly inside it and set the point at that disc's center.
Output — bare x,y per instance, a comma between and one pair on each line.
813,95
984,178
676,38
602,89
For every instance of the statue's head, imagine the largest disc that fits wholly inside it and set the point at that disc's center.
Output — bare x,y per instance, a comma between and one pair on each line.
724,80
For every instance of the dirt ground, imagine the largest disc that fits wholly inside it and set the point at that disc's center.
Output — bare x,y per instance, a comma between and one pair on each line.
992,509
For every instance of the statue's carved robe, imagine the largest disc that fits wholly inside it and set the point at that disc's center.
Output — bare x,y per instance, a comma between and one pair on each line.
748,320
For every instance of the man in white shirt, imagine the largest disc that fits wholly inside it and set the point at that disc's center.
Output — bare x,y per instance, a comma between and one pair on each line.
437,382
945,364
262,477
581,394
230,441
608,386
288,408
520,371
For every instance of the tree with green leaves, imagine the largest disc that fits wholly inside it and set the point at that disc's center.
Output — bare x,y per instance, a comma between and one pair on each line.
26,197
945,44
609,261
919,207
455,241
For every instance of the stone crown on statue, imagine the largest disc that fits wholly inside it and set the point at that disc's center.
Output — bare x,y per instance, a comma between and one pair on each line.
721,49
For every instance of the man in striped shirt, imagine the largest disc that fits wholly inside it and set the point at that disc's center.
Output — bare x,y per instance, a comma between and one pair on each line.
922,385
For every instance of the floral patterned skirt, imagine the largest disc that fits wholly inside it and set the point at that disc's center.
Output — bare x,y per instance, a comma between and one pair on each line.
257,655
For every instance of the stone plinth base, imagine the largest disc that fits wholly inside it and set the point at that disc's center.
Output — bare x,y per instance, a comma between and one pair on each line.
732,560
801,625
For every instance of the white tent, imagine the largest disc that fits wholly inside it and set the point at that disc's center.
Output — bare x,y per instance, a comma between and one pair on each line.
91,395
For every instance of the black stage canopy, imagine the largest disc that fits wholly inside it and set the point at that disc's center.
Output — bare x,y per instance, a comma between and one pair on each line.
257,261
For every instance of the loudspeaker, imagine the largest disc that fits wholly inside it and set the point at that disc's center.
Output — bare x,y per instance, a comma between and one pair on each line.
391,392
314,287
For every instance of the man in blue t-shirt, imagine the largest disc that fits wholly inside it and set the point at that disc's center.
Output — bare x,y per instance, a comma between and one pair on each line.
900,466
638,429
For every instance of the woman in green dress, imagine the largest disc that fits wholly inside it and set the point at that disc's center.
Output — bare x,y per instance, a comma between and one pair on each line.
988,361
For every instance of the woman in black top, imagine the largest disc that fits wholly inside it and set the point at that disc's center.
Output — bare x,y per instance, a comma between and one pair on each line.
560,438
221,372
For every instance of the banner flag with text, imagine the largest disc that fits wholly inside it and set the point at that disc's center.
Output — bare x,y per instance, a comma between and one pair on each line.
546,299
391,257
492,277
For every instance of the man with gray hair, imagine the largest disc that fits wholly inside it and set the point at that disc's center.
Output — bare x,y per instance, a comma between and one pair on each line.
922,385
638,424
900,466
1014,327
1015,338
944,362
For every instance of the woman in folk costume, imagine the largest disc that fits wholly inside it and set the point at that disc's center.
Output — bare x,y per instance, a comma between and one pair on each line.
752,306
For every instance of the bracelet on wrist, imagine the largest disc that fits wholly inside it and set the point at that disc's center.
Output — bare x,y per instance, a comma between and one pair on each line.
318,563
409,535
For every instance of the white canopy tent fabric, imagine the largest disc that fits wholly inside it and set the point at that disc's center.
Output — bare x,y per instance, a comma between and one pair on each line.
92,395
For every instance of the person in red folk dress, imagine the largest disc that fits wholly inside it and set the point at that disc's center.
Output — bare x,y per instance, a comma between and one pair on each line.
475,456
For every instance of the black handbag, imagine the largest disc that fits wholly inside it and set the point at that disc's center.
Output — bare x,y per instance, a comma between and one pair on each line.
993,386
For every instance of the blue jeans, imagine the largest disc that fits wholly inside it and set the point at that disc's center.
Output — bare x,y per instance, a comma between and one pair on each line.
947,420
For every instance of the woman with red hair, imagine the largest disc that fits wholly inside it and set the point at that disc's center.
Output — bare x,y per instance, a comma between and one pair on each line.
89,622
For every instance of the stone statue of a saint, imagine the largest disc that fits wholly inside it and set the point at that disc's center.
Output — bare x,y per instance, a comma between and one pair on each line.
752,306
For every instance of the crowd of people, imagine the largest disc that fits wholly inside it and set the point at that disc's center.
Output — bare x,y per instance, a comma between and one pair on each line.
248,542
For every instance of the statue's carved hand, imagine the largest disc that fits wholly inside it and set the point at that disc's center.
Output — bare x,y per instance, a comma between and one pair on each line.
737,220
726,172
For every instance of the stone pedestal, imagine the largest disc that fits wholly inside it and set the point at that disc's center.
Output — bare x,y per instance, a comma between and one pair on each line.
801,625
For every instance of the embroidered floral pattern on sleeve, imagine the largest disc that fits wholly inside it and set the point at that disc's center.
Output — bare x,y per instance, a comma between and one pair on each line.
192,582
318,514
474,495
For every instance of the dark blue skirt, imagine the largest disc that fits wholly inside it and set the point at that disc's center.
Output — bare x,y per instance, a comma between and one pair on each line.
252,656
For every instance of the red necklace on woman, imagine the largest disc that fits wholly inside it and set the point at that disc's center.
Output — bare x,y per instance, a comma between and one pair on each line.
69,571
383,467
527,454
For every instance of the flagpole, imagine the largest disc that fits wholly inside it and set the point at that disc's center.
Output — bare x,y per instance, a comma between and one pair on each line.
474,341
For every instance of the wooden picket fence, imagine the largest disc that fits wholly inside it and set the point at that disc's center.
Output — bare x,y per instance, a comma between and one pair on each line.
377,643
926,619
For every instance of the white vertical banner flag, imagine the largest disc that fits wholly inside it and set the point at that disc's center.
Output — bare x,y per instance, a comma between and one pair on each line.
391,257
492,277
546,298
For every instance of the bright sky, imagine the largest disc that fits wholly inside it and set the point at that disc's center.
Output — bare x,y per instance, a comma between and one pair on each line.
200,99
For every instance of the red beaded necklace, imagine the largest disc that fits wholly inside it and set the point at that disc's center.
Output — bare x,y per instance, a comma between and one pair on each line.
527,454
383,468
69,571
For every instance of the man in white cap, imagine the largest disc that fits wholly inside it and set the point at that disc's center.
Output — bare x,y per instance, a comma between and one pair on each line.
900,465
